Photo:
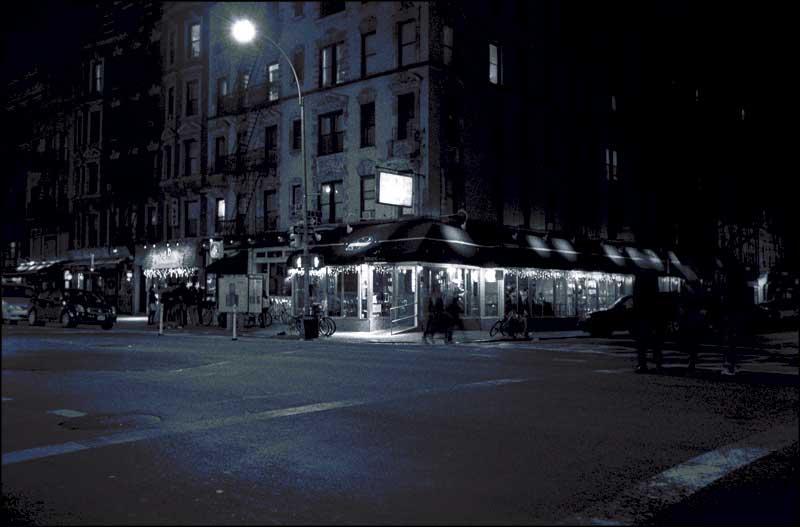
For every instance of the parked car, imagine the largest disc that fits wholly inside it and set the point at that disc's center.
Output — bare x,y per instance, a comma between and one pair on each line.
620,316
17,301
71,307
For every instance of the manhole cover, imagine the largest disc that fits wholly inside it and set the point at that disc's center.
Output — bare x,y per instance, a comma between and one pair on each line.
110,421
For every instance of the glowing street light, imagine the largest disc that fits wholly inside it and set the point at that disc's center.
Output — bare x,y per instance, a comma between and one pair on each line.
244,32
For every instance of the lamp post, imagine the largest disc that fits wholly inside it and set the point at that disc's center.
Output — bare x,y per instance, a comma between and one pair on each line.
244,32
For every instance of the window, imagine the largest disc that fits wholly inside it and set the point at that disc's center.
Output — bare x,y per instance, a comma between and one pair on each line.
330,7
220,151
495,64
297,199
368,197
94,180
407,49
330,202
192,97
194,41
222,92
611,164
85,128
171,51
447,45
167,162
190,157
369,56
331,65
152,223
613,103
270,210
171,102
405,115
273,77
244,80
298,61
271,149
298,8
97,77
297,138
92,230
94,127
331,134
78,129
368,124
192,218
220,213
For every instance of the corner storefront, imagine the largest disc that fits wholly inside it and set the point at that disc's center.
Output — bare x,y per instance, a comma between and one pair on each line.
380,275
166,265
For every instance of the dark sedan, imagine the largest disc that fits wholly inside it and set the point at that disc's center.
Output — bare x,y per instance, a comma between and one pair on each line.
71,307
602,323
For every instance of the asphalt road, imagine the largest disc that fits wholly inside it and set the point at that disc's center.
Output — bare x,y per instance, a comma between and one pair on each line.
124,427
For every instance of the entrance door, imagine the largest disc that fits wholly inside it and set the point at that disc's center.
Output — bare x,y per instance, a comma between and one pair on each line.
406,311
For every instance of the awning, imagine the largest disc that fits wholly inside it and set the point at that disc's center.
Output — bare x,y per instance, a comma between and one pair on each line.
30,268
234,264
99,263
488,245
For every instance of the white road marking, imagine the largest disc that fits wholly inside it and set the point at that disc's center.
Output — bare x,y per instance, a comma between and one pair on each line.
569,360
637,504
483,355
209,424
65,412
8,399
618,370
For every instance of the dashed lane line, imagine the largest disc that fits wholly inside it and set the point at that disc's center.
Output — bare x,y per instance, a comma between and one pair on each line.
30,454
65,412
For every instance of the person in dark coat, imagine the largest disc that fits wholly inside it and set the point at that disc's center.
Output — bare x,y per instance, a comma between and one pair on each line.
182,300
152,305
435,314
648,321
454,311
736,297
690,323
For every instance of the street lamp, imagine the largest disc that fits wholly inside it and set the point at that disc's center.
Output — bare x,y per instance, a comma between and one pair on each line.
244,32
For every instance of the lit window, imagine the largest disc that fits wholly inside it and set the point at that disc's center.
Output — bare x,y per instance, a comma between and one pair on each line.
613,103
274,82
194,34
495,64
331,65
611,165
330,202
97,77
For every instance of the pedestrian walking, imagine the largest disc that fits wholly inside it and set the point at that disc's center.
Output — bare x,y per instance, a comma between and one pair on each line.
648,321
690,323
435,314
191,305
152,305
182,298
737,296
454,311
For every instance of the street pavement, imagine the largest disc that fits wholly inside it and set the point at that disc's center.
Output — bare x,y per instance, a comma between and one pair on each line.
129,427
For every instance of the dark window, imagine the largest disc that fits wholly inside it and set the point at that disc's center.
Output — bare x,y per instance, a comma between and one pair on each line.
298,8
330,7
167,162
369,54
190,157
94,180
331,133
331,65
93,230
171,48
297,200
94,127
220,151
222,92
152,223
171,102
368,124
271,149
368,197
405,115
270,210
192,88
298,61
192,218
407,48
296,135
330,202
447,45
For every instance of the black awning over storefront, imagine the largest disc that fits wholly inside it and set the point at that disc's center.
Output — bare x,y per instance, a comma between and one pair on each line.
36,268
234,264
99,263
486,245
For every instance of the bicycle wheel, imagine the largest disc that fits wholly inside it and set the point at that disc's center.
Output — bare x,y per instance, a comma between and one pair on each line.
327,326
266,320
498,326
332,326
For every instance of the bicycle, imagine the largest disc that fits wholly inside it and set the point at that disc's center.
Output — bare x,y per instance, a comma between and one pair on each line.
508,326
210,314
327,326
278,311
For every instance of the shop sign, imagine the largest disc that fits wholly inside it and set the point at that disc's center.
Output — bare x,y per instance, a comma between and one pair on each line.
395,189
232,293
174,256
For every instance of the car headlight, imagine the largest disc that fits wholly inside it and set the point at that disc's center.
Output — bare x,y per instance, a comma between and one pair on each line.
79,308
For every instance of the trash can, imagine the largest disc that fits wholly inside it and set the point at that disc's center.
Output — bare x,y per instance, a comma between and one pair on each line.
310,327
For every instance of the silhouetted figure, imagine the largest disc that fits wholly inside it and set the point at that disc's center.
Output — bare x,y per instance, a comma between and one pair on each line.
648,321
182,299
736,298
454,311
435,314
690,323
152,305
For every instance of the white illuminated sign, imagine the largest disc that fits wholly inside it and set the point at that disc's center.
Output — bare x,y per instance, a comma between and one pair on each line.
395,189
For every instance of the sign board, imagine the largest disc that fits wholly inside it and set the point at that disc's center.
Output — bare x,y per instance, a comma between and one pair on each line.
232,293
216,250
395,189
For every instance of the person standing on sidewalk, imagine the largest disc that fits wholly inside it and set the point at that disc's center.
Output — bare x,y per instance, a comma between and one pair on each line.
152,305
737,296
454,311
191,305
690,323
648,322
